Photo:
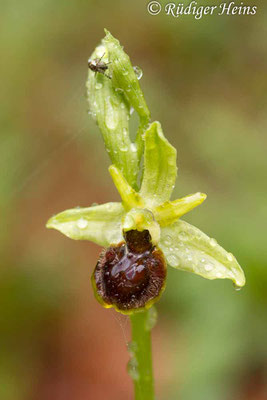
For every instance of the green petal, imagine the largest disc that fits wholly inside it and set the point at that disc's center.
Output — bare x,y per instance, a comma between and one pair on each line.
99,224
189,249
160,169
170,211
130,198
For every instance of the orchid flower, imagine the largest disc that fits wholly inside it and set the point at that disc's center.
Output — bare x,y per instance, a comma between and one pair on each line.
144,232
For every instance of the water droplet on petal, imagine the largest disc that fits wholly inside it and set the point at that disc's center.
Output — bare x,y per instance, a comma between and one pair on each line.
182,236
98,85
82,223
167,240
111,115
119,90
133,148
138,72
213,242
230,257
123,147
237,287
172,260
208,267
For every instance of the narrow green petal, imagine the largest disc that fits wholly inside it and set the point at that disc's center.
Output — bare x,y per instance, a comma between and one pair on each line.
99,224
170,211
189,249
130,198
159,167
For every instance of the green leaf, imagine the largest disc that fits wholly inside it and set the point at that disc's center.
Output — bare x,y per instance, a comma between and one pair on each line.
187,248
111,110
168,212
130,198
160,169
99,224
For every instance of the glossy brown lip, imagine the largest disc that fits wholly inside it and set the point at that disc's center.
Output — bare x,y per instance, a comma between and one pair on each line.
130,275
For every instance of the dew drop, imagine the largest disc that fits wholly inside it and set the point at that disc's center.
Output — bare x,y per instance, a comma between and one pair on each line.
208,267
167,240
133,148
138,72
230,257
213,242
132,368
98,85
182,236
237,287
132,347
82,223
151,319
125,72
123,147
119,90
111,116
219,275
172,260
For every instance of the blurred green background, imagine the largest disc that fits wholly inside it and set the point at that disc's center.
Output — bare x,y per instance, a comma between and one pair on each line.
206,82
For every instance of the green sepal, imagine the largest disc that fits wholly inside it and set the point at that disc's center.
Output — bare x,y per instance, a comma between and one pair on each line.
124,77
187,248
125,81
111,110
130,198
160,169
100,224
168,212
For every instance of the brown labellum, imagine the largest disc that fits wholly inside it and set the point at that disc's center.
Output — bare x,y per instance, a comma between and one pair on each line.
130,275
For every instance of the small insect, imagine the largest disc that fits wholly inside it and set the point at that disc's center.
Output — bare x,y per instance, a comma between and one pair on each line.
97,65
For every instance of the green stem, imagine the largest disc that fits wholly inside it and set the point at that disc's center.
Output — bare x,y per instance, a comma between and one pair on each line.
140,365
